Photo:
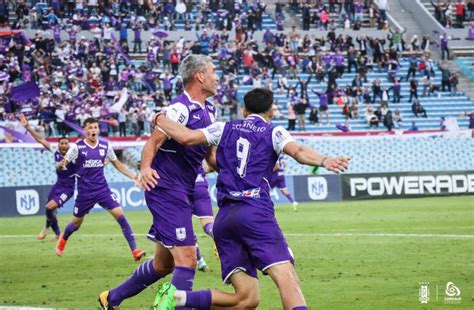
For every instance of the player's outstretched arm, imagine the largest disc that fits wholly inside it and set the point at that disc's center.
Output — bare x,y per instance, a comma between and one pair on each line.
36,135
307,156
125,171
149,176
180,133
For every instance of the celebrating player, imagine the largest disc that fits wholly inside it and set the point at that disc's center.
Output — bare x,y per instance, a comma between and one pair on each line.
245,230
169,172
90,155
278,180
63,189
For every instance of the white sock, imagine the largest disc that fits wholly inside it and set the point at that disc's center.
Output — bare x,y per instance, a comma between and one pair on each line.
180,297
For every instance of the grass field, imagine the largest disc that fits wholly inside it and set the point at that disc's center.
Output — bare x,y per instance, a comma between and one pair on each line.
350,255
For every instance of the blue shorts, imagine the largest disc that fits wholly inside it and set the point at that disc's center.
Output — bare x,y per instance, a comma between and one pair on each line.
86,201
249,238
201,201
60,194
172,217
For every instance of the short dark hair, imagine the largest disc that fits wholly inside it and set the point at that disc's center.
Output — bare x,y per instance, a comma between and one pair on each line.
258,100
63,138
90,120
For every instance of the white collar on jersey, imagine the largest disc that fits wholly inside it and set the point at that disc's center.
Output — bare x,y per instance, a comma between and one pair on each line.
191,100
257,115
92,147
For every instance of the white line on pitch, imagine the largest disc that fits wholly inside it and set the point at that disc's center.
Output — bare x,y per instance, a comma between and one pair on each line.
341,234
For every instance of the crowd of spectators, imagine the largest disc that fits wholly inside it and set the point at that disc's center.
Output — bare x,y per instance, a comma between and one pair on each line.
81,77
444,10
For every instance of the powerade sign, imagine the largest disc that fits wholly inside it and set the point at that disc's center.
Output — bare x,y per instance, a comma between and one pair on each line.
395,185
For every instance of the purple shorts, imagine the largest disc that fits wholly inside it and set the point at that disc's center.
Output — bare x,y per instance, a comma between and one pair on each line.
248,238
172,217
60,194
86,201
277,181
202,206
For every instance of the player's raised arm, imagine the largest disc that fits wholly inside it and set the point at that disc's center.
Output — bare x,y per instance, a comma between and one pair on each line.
308,156
36,135
149,176
283,142
70,156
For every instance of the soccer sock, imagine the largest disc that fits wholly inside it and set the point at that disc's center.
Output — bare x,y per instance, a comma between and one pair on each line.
198,252
69,230
183,279
49,217
208,229
141,278
54,223
300,308
127,232
289,198
194,299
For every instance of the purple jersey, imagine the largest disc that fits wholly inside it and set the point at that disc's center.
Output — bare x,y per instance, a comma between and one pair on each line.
178,165
90,161
247,151
66,177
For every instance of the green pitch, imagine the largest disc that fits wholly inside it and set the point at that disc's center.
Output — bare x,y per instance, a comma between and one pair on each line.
350,255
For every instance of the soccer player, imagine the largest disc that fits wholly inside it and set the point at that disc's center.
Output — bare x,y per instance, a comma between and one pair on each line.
202,209
278,180
90,155
245,230
169,172
63,189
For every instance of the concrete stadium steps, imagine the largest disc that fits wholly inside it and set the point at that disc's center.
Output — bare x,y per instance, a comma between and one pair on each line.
466,64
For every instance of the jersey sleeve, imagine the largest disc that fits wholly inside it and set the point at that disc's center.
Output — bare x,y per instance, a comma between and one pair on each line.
72,153
280,138
178,113
111,153
214,132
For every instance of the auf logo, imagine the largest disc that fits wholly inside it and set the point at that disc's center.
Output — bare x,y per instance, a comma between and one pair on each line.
452,290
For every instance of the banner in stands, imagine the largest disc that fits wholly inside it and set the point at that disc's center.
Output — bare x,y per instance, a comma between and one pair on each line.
407,184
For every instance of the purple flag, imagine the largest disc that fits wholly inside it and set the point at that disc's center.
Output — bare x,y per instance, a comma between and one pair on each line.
18,135
120,49
160,34
342,128
4,76
25,91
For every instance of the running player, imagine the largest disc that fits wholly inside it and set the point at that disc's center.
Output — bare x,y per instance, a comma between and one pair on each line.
169,172
90,155
246,232
278,180
63,189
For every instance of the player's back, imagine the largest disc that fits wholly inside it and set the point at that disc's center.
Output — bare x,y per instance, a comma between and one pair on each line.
245,158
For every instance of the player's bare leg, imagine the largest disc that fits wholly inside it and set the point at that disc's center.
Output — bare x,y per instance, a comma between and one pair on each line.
246,296
286,279
51,220
127,231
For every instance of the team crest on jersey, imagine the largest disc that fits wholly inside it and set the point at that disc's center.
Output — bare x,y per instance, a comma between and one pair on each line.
102,152
181,233
192,107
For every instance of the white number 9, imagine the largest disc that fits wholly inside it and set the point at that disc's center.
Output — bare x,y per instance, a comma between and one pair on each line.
243,148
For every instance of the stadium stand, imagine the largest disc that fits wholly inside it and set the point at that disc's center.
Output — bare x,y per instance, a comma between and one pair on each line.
447,15
467,66
24,166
